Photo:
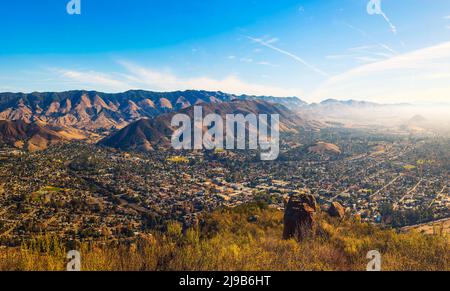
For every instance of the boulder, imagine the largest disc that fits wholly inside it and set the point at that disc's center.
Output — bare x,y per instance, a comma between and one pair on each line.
299,217
336,210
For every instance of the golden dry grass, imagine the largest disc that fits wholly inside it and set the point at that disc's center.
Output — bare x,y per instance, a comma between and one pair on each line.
228,241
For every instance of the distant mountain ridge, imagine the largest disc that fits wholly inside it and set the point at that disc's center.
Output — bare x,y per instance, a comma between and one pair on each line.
286,101
97,111
355,103
351,112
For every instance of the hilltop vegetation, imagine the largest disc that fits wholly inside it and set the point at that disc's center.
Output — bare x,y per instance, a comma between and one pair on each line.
243,238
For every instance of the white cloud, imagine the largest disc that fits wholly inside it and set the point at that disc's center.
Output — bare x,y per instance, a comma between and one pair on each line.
265,63
366,54
92,78
366,59
7,89
423,58
415,76
153,79
339,56
138,77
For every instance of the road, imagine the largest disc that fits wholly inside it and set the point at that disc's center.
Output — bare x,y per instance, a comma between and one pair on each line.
413,189
387,185
437,196
25,217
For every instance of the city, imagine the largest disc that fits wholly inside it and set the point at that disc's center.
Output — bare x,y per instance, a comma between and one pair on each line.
81,191
225,136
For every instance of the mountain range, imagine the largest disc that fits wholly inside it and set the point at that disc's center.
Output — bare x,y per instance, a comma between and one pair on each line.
97,111
140,119
149,134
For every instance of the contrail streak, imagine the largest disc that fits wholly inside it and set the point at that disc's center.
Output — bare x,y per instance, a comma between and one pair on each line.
291,55
366,35
393,28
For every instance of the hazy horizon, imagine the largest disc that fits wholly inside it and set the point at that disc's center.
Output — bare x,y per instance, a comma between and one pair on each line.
429,104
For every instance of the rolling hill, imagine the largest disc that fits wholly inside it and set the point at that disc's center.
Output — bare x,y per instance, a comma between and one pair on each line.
148,134
29,136
322,148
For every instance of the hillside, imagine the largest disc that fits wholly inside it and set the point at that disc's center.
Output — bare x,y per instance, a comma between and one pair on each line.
244,238
29,136
322,148
36,135
147,134
142,135
417,120
97,111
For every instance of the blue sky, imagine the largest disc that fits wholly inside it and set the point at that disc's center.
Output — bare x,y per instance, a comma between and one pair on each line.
311,49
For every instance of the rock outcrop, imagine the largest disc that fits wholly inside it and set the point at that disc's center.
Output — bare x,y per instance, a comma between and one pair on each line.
336,210
299,217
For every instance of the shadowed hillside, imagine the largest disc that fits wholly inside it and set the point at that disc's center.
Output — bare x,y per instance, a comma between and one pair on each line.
244,238
145,134
30,136
97,111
